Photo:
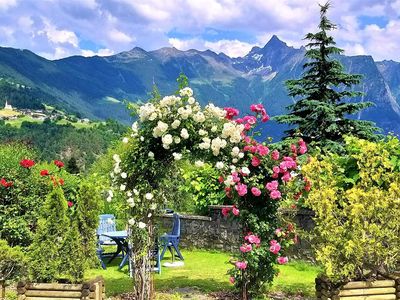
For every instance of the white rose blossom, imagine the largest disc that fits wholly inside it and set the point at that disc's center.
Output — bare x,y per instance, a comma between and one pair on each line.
124,175
142,225
131,222
122,187
148,196
184,133
199,163
187,91
177,156
150,154
175,124
219,165
125,140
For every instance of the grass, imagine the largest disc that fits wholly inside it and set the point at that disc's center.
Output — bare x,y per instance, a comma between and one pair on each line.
8,113
17,122
206,271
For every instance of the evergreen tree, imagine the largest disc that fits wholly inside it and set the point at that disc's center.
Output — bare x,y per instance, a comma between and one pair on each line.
320,114
56,252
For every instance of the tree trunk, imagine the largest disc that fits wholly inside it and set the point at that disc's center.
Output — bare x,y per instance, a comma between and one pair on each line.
143,285
244,287
2,289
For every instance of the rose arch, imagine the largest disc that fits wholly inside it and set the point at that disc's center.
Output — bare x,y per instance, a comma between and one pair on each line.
256,178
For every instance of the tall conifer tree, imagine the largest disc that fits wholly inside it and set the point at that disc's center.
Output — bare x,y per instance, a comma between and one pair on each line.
320,113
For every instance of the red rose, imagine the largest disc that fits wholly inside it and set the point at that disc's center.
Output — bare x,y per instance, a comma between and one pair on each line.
44,173
59,164
6,184
61,181
27,163
70,204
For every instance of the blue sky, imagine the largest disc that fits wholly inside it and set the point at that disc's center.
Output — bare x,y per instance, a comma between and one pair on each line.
60,28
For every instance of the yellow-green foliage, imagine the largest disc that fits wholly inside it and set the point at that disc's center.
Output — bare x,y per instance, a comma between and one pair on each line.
356,199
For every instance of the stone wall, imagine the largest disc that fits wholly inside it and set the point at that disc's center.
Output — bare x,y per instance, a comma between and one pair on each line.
218,232
213,232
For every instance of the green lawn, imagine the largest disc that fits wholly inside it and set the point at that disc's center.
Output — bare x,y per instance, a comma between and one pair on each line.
206,270
17,122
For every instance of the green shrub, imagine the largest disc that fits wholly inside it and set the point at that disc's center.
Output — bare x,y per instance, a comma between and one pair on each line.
201,188
56,251
88,210
22,199
12,262
356,199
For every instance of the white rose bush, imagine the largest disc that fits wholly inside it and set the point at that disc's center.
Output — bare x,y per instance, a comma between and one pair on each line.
176,128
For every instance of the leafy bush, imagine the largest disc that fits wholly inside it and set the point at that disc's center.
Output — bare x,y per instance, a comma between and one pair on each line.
22,190
356,199
201,188
12,262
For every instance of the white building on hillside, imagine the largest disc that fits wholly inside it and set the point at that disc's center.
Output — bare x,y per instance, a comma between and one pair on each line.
8,106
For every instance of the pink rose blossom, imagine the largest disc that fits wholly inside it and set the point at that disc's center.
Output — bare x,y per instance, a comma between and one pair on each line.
265,118
273,242
286,177
232,280
272,186
239,120
255,161
275,248
253,239
241,265
257,108
241,189
302,150
235,177
275,175
250,120
247,126
235,211
276,169
262,150
282,260
225,211
246,248
255,191
275,155
247,139
275,194
231,112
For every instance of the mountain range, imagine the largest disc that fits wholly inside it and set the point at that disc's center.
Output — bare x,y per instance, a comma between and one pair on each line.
95,86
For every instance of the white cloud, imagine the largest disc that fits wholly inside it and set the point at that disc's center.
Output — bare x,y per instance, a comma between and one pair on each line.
100,52
232,48
6,4
59,36
119,37
118,25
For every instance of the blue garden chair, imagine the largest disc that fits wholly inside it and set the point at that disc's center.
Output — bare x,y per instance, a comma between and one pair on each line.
171,240
106,224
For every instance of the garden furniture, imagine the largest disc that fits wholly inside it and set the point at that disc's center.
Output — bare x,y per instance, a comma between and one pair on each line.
171,240
120,239
106,224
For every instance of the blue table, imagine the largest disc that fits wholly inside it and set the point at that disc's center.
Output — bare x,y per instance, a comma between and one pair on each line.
120,238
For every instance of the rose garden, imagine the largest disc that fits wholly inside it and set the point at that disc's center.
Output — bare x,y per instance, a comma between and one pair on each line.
186,157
